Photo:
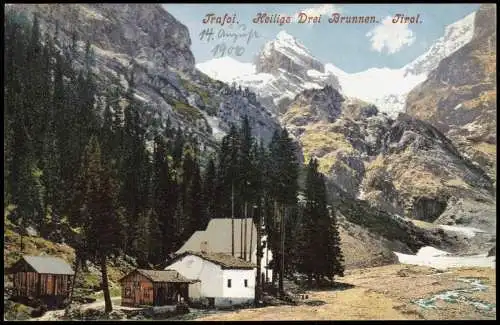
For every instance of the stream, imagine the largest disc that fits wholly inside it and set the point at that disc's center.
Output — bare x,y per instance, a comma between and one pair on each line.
460,295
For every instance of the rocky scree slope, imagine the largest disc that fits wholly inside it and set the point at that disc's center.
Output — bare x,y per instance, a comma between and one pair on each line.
148,41
403,167
459,96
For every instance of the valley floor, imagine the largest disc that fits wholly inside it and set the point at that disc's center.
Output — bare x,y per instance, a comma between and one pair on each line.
393,292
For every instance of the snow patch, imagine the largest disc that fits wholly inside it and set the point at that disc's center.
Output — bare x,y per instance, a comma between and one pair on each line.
214,123
226,69
438,259
141,98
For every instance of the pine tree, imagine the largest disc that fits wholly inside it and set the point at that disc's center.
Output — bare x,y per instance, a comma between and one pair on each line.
164,198
142,241
334,257
155,254
103,228
209,193
309,238
134,167
36,89
319,240
283,190
188,171
197,201
323,222
107,134
178,149
224,179
245,174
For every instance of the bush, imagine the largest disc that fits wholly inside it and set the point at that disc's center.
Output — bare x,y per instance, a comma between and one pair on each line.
16,311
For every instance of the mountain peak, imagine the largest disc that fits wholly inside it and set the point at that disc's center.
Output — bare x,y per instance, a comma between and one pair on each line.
286,53
455,36
284,36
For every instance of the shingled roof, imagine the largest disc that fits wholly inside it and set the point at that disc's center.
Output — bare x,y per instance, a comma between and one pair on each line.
226,261
46,265
161,276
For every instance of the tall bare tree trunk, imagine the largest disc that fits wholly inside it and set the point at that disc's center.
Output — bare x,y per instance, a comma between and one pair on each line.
251,235
275,253
258,286
282,239
232,218
245,233
241,235
108,306
74,278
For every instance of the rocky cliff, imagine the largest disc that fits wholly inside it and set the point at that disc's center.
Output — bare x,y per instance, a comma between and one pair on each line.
403,167
151,43
459,96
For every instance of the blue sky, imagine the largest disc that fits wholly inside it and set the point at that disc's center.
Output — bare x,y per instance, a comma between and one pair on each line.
351,47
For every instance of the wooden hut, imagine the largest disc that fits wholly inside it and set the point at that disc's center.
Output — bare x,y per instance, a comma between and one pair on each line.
152,287
42,277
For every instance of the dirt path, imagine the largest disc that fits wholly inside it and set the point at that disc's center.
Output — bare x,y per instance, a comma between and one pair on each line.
57,314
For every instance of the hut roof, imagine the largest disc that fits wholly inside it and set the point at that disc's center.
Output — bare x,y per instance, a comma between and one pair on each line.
47,265
226,261
162,276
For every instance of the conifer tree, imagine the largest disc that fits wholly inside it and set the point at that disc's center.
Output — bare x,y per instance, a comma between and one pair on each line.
310,238
164,198
209,193
103,225
197,201
334,257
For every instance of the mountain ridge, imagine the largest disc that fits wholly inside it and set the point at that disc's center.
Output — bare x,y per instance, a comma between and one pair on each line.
390,99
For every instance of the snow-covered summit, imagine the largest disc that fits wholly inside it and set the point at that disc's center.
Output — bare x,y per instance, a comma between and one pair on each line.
455,36
286,52
284,36
285,67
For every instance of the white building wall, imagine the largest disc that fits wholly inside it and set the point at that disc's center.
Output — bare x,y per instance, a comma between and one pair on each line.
196,268
238,293
194,290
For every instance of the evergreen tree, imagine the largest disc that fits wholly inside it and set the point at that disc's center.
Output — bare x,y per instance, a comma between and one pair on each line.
310,238
155,254
134,167
188,171
142,240
164,198
224,179
334,258
103,230
209,194
283,190
319,245
197,201
107,134
178,149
